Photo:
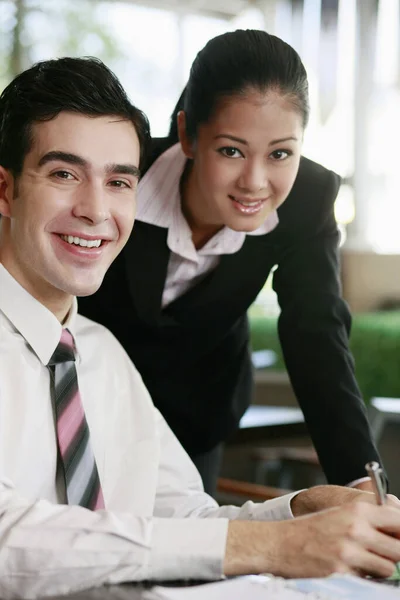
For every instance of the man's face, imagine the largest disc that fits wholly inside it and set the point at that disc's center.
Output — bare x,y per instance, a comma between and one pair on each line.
72,209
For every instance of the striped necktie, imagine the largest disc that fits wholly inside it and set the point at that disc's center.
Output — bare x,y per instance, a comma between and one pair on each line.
82,481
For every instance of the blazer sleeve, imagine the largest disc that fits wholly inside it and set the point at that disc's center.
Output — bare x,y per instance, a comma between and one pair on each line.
314,328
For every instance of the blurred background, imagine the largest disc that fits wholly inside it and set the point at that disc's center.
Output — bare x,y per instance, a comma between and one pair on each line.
351,50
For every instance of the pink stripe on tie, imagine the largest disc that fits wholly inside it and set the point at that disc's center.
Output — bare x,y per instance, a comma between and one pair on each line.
100,501
69,422
67,339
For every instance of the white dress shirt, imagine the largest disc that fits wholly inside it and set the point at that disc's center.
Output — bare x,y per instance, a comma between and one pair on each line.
158,522
159,203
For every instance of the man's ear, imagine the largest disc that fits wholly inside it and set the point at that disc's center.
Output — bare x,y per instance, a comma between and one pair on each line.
186,143
7,186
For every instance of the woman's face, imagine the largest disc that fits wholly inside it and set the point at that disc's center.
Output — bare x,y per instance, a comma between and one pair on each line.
245,161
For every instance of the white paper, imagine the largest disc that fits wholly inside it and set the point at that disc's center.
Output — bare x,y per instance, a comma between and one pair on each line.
251,587
259,587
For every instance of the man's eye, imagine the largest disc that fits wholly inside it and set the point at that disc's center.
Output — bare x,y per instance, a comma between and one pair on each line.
63,175
280,154
230,152
118,183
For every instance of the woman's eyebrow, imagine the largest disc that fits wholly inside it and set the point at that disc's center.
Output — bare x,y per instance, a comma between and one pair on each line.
231,137
285,139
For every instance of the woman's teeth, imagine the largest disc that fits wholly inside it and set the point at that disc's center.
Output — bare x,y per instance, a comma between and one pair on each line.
248,208
81,241
248,203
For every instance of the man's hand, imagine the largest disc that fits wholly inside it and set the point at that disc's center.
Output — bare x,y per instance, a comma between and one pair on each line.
328,496
365,486
356,538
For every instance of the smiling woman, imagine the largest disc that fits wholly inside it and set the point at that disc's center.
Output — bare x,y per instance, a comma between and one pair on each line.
248,152
225,198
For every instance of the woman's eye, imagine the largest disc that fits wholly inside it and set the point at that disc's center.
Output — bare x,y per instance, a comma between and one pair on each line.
230,152
280,154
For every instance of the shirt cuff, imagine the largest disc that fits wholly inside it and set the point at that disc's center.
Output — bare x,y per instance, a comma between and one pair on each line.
194,548
277,509
357,481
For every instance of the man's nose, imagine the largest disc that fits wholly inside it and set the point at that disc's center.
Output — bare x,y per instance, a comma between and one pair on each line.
92,204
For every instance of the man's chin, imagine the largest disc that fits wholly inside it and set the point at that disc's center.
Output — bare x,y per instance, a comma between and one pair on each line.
85,288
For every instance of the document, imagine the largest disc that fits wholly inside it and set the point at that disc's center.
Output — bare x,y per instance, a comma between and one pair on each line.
260,587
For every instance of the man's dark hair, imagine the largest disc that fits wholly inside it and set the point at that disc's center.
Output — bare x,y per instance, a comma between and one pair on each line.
81,85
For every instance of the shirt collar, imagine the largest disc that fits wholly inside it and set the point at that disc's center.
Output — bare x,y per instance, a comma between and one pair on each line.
37,325
159,203
158,191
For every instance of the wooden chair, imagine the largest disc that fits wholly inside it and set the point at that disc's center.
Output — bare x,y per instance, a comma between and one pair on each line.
284,461
250,491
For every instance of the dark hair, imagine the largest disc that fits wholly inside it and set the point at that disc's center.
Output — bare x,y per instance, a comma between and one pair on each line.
81,85
234,63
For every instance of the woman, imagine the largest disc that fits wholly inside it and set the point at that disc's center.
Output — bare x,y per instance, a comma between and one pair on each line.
217,209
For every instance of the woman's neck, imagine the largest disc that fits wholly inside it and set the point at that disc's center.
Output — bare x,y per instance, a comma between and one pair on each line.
202,232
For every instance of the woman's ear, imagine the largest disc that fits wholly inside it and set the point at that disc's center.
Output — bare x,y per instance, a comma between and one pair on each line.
186,143
7,184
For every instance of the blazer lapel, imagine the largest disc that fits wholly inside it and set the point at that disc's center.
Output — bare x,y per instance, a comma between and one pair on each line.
239,277
146,262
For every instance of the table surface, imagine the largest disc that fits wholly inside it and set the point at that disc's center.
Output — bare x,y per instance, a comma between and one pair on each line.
269,416
114,592
126,591
343,586
260,423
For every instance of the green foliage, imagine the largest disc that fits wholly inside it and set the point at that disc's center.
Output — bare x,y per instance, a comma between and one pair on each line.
264,335
374,342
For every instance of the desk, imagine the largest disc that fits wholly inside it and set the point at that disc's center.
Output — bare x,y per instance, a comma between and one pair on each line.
260,423
126,591
343,586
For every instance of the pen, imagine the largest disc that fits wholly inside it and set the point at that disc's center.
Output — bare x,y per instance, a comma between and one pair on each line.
375,471
378,481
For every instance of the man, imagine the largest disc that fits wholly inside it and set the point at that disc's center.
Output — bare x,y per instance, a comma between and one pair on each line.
94,487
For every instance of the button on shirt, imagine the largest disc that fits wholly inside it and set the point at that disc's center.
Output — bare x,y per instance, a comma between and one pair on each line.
158,522
159,203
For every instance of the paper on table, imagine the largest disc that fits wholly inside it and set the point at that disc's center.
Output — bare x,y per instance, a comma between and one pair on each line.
240,588
336,587
348,587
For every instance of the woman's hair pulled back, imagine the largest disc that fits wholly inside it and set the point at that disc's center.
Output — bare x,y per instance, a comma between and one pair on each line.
235,63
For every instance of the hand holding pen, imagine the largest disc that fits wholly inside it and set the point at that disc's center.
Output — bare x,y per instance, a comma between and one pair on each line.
378,480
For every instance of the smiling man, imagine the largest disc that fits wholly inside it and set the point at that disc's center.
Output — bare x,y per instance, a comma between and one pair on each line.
71,209
94,486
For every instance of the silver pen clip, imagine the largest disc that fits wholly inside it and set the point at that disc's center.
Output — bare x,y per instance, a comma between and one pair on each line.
378,480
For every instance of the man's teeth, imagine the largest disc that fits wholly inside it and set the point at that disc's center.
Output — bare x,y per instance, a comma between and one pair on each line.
80,241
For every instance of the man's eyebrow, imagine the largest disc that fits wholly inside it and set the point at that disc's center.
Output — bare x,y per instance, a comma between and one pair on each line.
123,169
72,159
75,159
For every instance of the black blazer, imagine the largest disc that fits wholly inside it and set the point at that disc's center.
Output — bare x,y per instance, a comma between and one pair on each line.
194,354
